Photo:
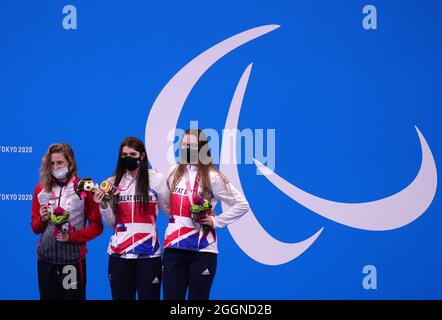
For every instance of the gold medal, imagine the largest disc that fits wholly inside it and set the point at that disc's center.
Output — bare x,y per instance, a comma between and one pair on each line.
106,186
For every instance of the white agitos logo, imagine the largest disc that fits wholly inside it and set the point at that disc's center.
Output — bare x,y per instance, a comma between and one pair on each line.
388,213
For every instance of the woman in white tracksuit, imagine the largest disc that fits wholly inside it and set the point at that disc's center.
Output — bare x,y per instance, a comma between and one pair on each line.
134,252
190,245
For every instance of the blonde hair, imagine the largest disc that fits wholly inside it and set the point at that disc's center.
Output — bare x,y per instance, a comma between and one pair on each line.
45,169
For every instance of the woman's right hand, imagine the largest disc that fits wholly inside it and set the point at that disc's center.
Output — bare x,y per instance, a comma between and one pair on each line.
99,198
44,212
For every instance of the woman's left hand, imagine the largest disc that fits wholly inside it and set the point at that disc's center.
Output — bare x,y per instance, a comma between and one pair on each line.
62,237
206,221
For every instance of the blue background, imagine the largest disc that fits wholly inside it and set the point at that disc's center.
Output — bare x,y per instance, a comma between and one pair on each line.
343,101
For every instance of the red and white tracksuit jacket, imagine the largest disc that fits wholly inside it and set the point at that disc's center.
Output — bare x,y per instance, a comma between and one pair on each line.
135,234
80,211
182,232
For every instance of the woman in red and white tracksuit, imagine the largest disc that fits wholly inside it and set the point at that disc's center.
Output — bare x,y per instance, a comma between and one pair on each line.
134,250
62,247
190,254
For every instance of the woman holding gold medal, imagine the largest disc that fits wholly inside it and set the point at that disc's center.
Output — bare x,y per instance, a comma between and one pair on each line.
60,216
129,202
196,185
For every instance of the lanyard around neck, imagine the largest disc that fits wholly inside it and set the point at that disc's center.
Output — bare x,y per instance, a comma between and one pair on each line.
119,189
63,188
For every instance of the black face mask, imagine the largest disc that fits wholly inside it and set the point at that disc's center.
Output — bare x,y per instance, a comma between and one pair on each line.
131,163
188,155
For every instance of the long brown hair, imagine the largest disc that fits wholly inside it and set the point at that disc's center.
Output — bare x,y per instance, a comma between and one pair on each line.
45,169
142,186
203,168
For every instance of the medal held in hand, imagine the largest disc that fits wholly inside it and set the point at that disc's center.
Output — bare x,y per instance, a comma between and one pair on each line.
109,189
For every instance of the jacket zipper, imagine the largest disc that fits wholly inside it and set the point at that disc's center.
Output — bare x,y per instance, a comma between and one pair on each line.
133,206
56,242
179,227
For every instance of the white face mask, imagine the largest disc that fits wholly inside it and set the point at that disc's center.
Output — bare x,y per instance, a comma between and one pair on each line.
60,173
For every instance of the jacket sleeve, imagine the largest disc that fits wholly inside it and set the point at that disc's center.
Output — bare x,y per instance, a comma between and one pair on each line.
224,191
108,214
95,227
166,193
36,224
163,195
